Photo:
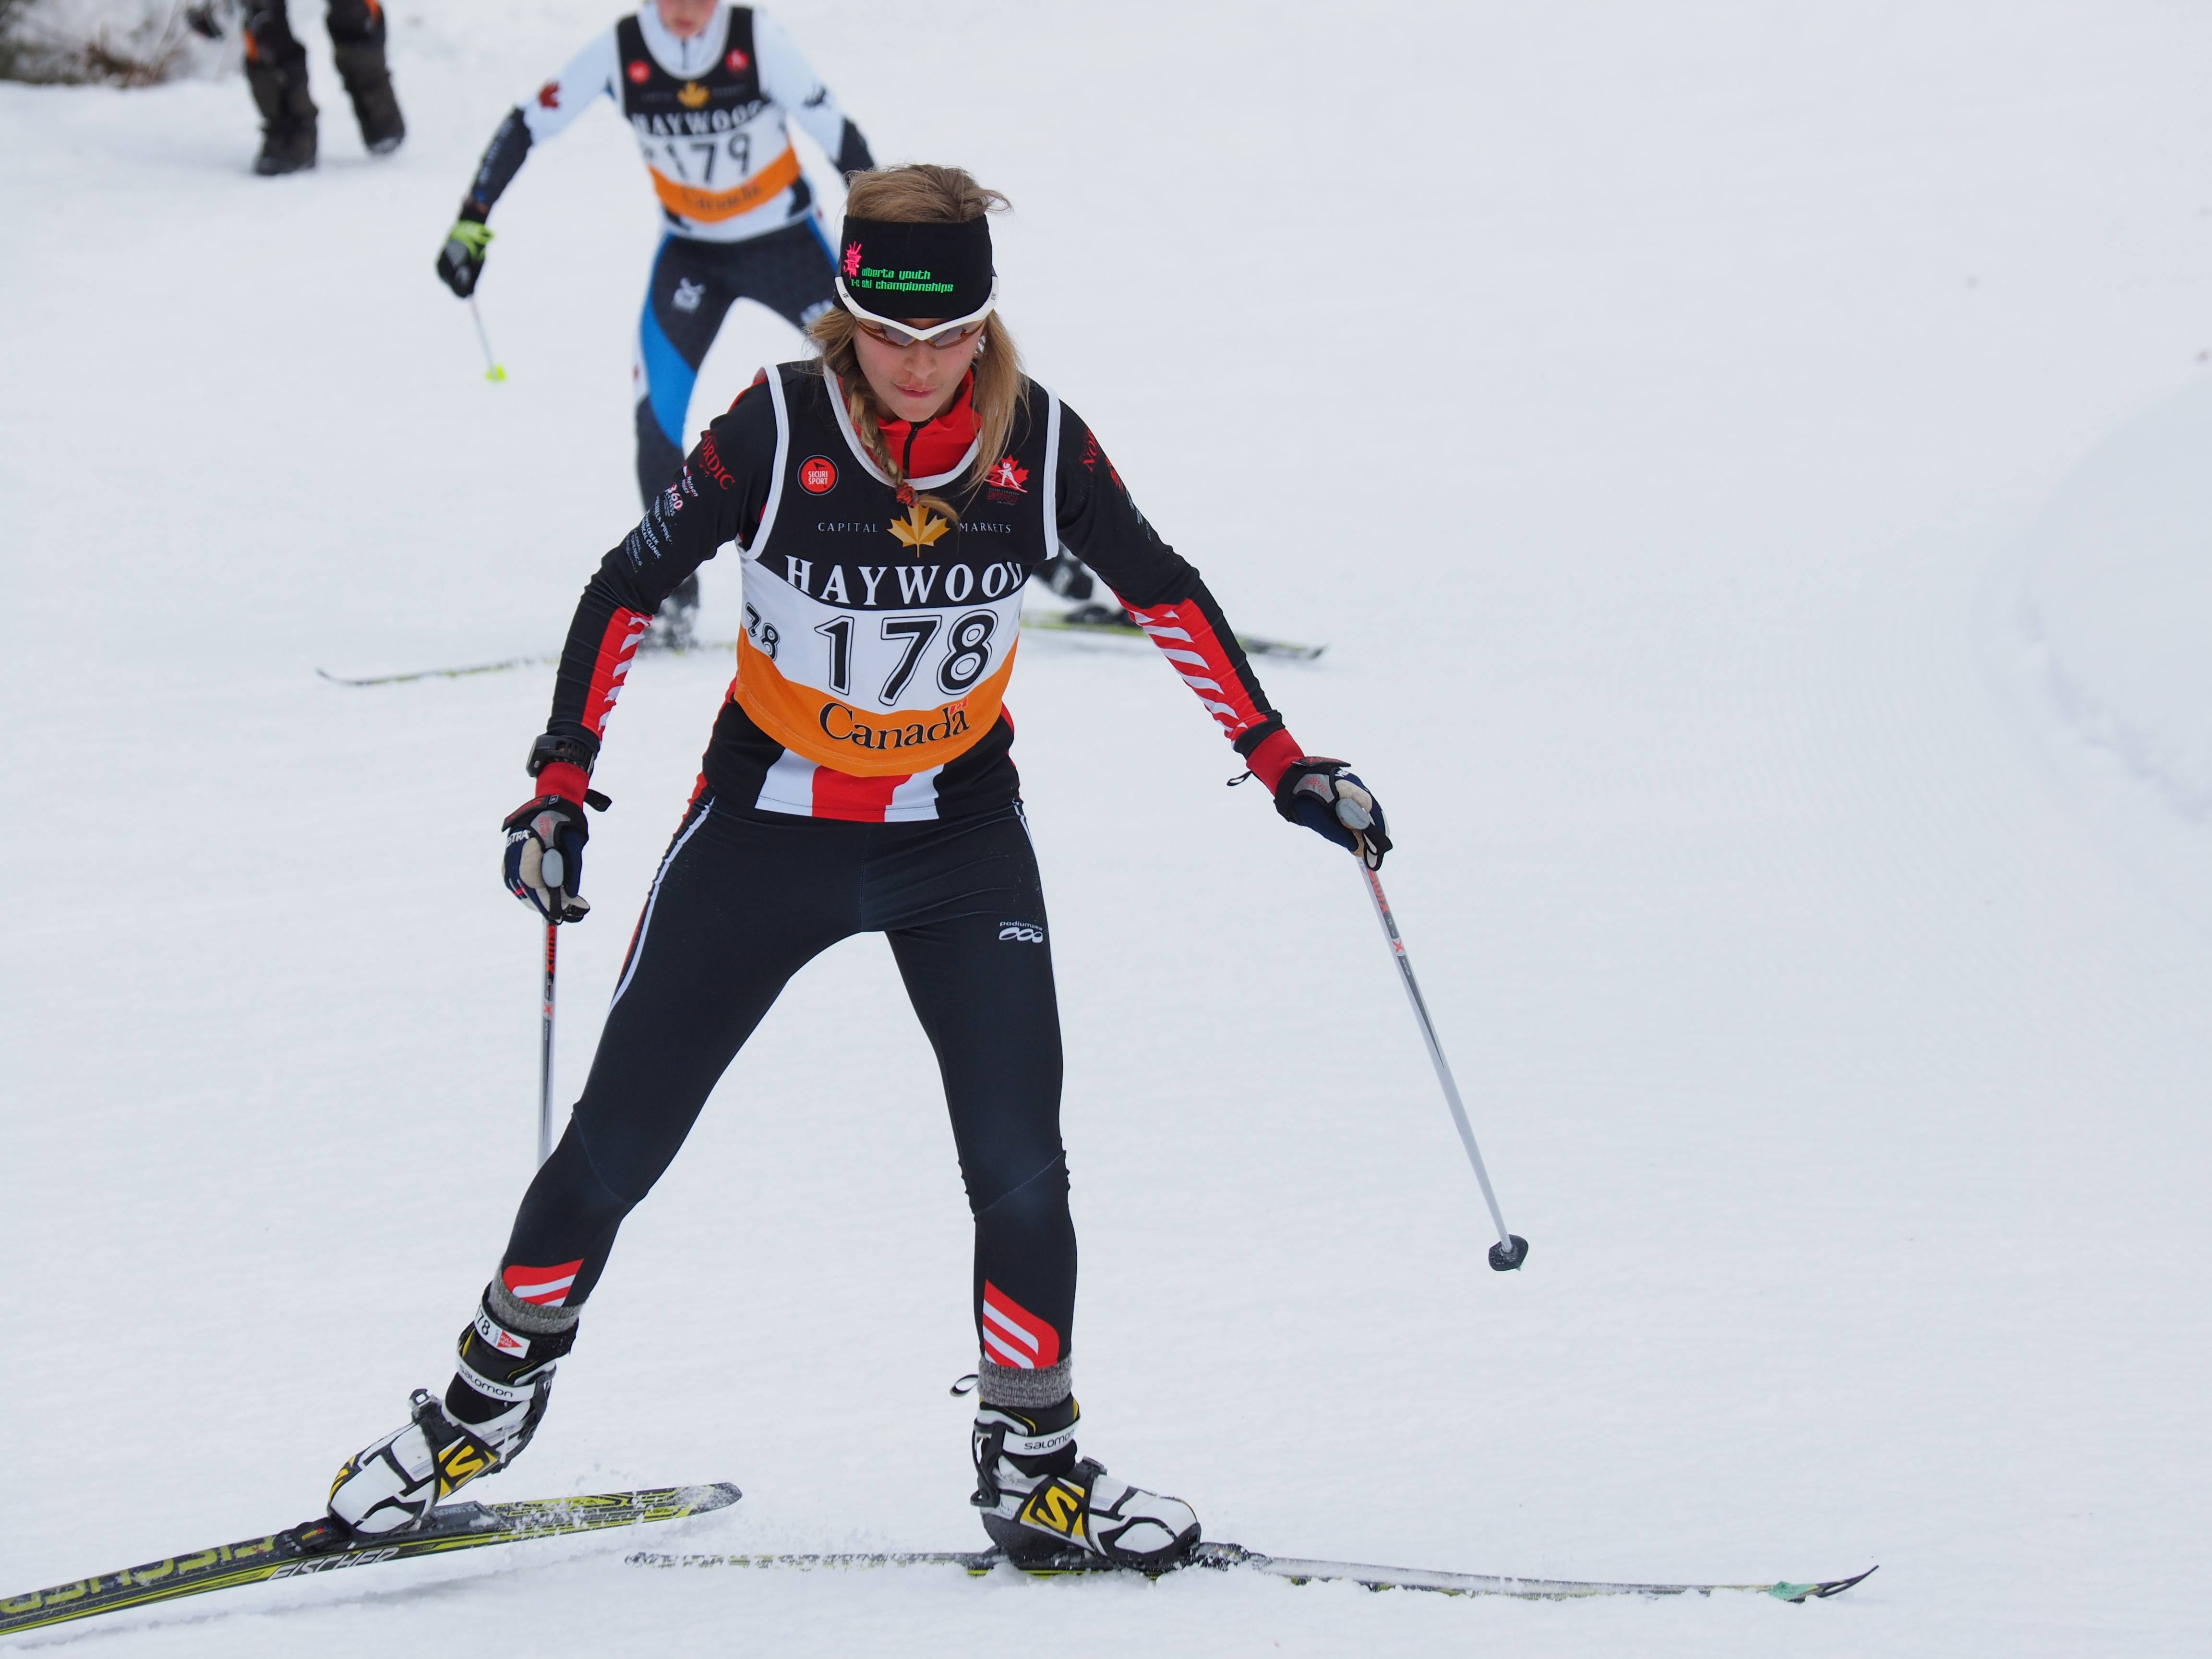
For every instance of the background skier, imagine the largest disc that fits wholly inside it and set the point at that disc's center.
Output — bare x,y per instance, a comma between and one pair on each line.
707,89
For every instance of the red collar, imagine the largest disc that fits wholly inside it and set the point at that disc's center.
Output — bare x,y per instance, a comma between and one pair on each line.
941,441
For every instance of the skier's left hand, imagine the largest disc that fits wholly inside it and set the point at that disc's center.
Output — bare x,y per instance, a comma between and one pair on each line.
1327,797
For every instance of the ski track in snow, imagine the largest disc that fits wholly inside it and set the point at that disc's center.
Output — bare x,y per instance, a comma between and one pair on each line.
1752,581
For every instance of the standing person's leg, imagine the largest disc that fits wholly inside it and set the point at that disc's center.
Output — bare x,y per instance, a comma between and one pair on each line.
737,908
790,271
276,72
964,908
685,300
357,42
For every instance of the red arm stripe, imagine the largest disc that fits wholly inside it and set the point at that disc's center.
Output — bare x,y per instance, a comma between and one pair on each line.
1188,640
617,647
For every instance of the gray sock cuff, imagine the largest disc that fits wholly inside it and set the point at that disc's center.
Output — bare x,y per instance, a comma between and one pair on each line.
527,1318
1010,1385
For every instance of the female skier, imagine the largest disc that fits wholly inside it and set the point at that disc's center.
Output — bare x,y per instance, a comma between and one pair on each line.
707,89
889,499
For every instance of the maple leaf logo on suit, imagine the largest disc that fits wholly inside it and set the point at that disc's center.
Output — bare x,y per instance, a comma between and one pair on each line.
919,528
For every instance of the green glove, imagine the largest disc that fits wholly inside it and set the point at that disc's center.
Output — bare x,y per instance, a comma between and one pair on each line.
460,262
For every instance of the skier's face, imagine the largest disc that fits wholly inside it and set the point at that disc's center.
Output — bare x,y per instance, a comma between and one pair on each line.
685,18
917,381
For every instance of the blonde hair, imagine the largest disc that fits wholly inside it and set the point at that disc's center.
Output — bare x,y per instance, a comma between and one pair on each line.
921,194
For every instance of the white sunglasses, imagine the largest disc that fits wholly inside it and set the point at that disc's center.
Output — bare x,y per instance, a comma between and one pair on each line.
902,335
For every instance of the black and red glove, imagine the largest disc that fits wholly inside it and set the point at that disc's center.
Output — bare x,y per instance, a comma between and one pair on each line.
1327,797
546,836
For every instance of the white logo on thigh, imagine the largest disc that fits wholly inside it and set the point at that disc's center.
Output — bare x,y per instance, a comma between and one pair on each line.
688,293
1022,933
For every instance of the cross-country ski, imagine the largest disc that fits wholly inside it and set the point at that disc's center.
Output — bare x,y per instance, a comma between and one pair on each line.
1228,1556
1052,622
1118,625
405,676
318,1546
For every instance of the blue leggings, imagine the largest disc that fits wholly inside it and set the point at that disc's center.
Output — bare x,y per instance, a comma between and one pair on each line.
694,285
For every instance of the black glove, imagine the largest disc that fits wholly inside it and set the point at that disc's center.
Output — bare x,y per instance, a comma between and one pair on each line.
852,151
461,261
1326,797
546,856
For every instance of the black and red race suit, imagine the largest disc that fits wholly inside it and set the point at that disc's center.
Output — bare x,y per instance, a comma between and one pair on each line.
880,636
860,779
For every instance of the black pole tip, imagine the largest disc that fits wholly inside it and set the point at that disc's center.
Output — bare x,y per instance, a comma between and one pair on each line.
1505,1260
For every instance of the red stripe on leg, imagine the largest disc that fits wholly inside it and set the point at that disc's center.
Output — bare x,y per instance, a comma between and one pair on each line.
1014,1336
546,1287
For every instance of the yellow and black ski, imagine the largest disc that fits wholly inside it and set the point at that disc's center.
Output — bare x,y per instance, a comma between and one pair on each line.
320,1545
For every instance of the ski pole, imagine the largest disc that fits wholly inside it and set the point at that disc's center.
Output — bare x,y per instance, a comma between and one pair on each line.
1510,1250
545,1049
492,370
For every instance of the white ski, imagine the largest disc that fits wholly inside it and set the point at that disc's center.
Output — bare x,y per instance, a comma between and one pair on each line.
1235,1558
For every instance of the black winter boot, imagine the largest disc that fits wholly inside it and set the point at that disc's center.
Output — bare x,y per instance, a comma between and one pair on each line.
369,82
675,626
288,116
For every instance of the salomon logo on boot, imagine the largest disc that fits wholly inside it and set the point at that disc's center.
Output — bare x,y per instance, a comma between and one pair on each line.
1039,1500
1056,1507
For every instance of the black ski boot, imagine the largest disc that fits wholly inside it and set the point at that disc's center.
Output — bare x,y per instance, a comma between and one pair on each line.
288,116
492,1406
369,82
675,628
1038,1500
1067,576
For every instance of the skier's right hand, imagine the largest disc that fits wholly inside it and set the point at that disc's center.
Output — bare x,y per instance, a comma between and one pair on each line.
460,262
544,866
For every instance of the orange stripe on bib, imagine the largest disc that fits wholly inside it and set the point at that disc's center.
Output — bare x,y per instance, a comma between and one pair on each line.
831,733
709,206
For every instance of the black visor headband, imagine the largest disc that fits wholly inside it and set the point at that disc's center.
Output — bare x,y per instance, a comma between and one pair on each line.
894,272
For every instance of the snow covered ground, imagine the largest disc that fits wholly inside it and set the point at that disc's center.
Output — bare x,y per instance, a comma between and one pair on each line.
1747,462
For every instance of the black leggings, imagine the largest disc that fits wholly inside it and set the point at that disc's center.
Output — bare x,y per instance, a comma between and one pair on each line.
269,29
743,900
